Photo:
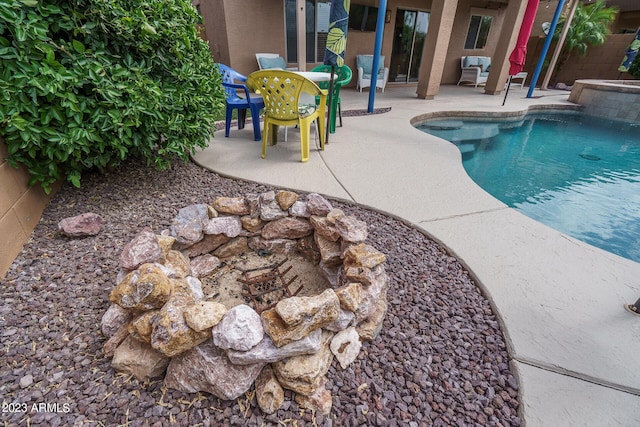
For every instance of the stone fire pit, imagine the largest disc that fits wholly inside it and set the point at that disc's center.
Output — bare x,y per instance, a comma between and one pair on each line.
185,302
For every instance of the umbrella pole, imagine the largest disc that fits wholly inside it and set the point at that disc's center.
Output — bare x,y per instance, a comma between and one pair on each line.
326,138
507,91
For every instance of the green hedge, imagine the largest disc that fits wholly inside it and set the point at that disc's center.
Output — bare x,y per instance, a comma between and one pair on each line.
89,83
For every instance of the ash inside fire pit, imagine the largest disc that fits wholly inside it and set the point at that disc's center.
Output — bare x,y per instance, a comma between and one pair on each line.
260,291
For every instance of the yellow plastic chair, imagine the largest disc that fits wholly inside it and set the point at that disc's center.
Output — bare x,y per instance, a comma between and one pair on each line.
281,91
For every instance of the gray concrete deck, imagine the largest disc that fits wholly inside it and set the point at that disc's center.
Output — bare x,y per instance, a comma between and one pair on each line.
576,350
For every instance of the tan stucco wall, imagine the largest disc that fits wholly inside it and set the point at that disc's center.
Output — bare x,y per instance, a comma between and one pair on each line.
20,209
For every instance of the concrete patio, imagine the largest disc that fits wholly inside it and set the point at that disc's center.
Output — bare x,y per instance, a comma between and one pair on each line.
560,301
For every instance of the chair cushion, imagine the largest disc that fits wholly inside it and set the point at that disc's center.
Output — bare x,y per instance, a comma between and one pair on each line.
306,109
485,62
267,63
470,61
366,63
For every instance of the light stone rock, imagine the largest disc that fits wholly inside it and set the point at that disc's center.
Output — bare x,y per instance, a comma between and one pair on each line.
329,251
166,243
204,315
350,296
370,295
231,205
320,401
370,328
139,359
324,228
204,265
345,346
269,208
333,273
254,205
352,229
207,368
344,320
267,352
178,264
250,224
86,224
171,335
230,226
274,246
287,228
362,274
269,392
240,329
334,215
363,255
299,209
320,310
234,247
187,226
141,327
113,319
286,198
209,243
143,249
213,213
304,374
318,205
147,288
295,310
194,286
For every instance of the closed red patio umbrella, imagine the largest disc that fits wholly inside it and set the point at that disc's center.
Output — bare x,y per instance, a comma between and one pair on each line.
519,53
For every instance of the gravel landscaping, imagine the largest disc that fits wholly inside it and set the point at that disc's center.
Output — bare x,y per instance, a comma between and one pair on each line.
440,359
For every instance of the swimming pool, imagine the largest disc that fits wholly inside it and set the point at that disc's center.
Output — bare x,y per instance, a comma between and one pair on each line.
575,173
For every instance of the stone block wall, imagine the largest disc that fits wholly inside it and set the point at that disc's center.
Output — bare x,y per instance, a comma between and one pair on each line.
607,99
20,209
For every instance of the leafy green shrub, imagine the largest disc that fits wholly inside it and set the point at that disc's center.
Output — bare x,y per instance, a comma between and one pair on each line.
634,69
88,83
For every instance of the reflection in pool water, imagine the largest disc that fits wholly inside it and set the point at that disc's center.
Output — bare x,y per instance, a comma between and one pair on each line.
575,173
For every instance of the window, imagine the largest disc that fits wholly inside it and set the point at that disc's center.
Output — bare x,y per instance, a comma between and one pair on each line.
478,33
317,27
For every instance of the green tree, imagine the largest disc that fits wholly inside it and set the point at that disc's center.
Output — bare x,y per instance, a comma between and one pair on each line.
89,83
589,27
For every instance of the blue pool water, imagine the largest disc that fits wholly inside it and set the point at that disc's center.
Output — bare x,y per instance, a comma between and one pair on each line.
575,173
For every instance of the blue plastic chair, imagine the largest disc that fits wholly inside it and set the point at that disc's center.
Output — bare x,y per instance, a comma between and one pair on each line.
253,102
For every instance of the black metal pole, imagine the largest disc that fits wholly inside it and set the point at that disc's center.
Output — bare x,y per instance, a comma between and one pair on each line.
326,138
507,92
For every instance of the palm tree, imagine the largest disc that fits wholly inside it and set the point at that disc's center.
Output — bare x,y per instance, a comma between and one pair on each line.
589,27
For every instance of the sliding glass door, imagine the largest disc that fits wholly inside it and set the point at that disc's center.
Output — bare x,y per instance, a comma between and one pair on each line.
409,35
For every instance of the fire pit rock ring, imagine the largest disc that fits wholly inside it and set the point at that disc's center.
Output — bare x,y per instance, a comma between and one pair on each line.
170,314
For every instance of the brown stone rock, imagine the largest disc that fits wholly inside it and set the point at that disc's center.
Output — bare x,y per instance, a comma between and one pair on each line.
320,401
352,229
329,251
286,198
204,265
363,275
147,288
212,212
287,228
308,248
231,205
206,368
139,359
304,315
113,319
86,224
143,249
370,295
334,215
140,328
171,335
333,273
178,264
254,205
230,226
318,205
166,243
324,228
350,296
250,224
234,247
370,328
269,392
304,374
209,243
204,315
363,255
275,246
112,343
